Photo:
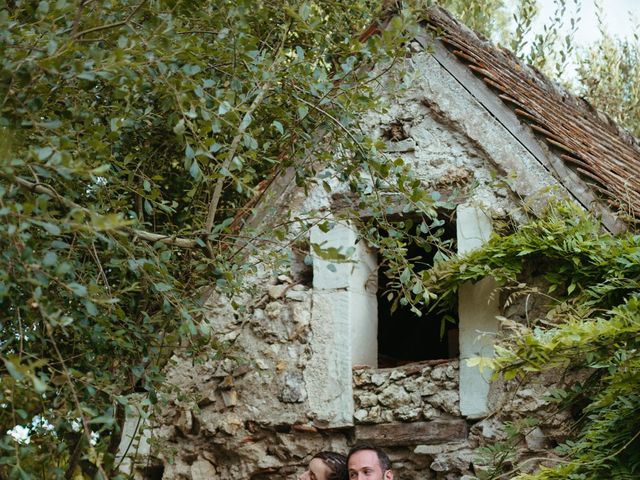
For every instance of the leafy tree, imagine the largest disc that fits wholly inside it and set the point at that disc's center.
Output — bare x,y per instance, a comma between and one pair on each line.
132,132
609,74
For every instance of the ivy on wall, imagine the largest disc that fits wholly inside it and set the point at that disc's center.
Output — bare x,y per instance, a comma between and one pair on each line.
593,324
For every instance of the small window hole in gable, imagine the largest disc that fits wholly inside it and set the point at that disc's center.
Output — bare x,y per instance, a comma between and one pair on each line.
301,264
395,132
403,336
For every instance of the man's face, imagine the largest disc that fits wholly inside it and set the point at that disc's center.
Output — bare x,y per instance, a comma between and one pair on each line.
318,470
364,465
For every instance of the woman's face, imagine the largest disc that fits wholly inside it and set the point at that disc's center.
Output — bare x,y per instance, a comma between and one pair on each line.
318,470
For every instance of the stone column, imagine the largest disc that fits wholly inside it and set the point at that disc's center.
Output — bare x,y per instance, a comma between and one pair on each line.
478,308
134,442
344,324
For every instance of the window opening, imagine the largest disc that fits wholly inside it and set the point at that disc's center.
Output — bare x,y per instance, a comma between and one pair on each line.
403,336
301,264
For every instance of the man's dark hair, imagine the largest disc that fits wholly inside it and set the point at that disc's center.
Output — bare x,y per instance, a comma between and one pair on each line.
336,462
383,458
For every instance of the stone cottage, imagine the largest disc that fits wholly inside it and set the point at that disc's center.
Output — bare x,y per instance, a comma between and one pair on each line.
309,377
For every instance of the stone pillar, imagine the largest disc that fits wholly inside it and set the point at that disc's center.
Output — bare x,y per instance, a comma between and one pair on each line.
344,324
134,442
478,308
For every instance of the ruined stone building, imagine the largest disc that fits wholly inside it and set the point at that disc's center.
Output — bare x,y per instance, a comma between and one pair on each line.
309,378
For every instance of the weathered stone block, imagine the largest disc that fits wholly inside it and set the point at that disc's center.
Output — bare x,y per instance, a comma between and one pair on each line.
459,461
536,440
361,415
394,396
297,296
397,375
408,413
447,401
439,448
202,470
277,291
407,145
490,429
378,379
429,412
293,388
404,434
367,399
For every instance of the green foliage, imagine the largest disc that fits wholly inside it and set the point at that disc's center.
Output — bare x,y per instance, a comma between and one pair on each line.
593,324
131,133
609,73
484,16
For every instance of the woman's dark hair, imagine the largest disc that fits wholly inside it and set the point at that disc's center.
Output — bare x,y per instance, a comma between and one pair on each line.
336,462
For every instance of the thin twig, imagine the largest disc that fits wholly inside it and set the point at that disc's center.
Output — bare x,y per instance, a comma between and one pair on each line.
210,32
110,25
102,274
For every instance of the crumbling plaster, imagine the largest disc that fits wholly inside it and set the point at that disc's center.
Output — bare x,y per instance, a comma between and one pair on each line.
286,391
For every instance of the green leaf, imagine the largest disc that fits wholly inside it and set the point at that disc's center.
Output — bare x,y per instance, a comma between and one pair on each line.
162,287
194,171
405,276
13,370
224,107
50,124
78,289
179,128
91,76
304,11
38,384
49,227
246,121
278,126
92,310
50,259
44,153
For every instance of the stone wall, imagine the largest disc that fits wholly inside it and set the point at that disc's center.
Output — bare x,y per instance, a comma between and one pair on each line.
413,413
416,392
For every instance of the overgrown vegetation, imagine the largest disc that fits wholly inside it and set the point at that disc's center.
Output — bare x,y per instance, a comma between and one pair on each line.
131,136
132,132
593,325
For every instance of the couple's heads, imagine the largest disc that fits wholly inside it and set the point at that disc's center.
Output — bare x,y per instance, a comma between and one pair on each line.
363,462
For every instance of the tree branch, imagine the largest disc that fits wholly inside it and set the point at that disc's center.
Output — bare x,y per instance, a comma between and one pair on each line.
213,205
141,234
110,25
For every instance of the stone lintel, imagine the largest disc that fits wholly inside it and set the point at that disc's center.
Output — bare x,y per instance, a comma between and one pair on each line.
415,433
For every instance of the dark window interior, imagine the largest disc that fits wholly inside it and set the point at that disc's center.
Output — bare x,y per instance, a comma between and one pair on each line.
403,336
